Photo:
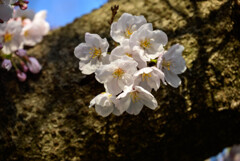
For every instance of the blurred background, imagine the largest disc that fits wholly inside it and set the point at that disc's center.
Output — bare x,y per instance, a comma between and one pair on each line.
62,12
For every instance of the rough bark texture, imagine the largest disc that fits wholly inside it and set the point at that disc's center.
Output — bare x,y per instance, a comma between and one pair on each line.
47,117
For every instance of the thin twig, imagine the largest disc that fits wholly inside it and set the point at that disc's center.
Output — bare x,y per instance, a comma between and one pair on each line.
114,12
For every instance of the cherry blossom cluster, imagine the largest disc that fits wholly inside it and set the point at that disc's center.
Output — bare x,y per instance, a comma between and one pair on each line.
132,69
6,8
228,154
25,29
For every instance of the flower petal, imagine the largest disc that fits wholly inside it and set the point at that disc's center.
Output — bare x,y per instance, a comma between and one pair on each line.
172,78
123,102
89,67
104,73
93,39
147,98
5,12
117,112
82,51
176,49
160,37
135,108
113,87
104,110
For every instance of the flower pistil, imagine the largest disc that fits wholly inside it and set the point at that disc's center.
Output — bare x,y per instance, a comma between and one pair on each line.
95,52
145,44
166,64
7,37
128,32
134,96
129,55
118,73
26,33
145,76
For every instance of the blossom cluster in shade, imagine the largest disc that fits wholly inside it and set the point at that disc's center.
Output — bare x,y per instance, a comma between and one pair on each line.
127,72
25,29
7,8
228,154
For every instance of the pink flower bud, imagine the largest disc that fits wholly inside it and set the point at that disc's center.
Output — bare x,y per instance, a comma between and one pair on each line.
21,76
7,64
34,65
23,4
21,52
24,66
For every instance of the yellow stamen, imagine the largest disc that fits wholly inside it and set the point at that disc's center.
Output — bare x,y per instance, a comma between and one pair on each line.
96,52
145,44
109,95
129,55
7,37
23,17
128,32
118,73
134,96
145,76
26,33
166,64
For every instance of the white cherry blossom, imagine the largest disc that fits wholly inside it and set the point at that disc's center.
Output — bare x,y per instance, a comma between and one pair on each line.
104,104
127,77
117,74
6,10
125,26
134,98
124,50
172,63
92,54
34,31
149,78
10,36
147,42
11,1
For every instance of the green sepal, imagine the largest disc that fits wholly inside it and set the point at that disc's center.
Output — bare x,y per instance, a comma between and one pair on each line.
153,61
7,56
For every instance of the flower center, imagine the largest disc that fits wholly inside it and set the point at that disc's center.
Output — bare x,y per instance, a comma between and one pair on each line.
110,95
128,32
23,17
166,64
7,37
26,33
145,44
95,52
134,96
129,55
118,73
145,76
